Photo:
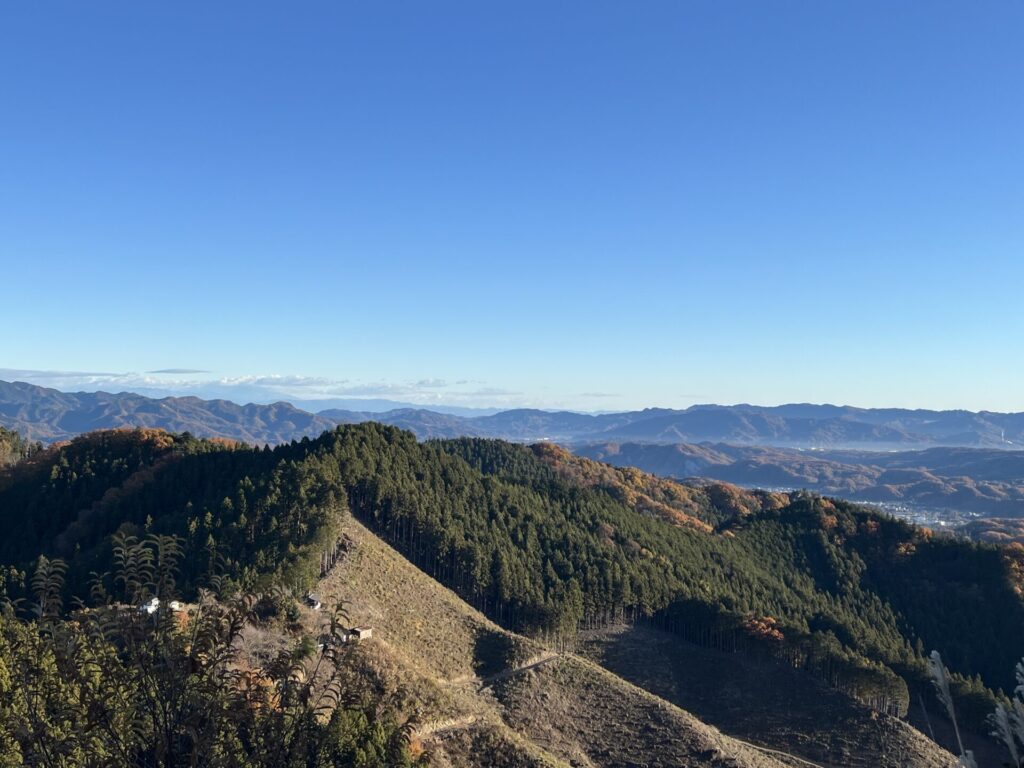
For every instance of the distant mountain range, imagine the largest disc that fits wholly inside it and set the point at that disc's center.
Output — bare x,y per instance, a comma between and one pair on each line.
980,480
49,415
45,414
788,426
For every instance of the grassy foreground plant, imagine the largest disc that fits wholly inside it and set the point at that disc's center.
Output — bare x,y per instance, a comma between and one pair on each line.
1008,720
117,685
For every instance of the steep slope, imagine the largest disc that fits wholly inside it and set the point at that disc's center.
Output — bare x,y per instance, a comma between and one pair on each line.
767,704
484,704
569,711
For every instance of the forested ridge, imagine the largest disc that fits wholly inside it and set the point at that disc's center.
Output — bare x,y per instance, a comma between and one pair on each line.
824,584
253,515
544,545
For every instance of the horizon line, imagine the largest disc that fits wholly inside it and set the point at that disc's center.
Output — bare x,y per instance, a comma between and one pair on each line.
402,405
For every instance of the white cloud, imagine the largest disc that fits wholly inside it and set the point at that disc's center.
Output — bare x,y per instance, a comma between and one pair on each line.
24,374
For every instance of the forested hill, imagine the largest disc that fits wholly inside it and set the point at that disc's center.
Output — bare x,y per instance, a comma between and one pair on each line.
988,481
256,515
545,543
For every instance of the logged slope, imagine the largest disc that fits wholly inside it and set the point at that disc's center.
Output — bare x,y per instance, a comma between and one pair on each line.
853,594
768,704
479,709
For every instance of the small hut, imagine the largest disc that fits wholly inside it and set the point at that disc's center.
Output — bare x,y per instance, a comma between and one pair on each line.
360,633
151,606
313,601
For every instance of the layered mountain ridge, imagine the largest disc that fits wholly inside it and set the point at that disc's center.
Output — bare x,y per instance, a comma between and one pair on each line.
45,414
978,481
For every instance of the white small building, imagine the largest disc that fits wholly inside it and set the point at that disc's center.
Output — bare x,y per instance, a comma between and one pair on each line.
151,606
313,601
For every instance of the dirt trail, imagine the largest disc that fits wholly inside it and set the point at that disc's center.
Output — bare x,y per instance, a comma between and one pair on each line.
427,730
778,753
536,661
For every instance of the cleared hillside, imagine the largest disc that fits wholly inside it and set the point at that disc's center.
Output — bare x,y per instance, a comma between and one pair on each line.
767,704
567,711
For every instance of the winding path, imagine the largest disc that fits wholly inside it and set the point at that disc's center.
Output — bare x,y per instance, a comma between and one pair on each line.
536,661
775,752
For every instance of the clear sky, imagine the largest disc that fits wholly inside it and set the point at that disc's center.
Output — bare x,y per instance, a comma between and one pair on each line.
590,204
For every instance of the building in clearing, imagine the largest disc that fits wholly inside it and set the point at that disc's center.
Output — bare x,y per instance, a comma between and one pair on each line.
313,601
151,606
353,635
360,633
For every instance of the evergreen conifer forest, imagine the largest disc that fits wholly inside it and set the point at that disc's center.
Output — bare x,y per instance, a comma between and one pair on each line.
544,543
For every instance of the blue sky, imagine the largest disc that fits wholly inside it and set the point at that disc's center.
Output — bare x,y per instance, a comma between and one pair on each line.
594,205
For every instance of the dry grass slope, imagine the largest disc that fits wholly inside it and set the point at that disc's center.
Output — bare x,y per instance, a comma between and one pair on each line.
593,719
431,648
769,705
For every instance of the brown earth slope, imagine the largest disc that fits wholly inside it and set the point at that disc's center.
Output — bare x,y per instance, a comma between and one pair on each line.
769,705
483,698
